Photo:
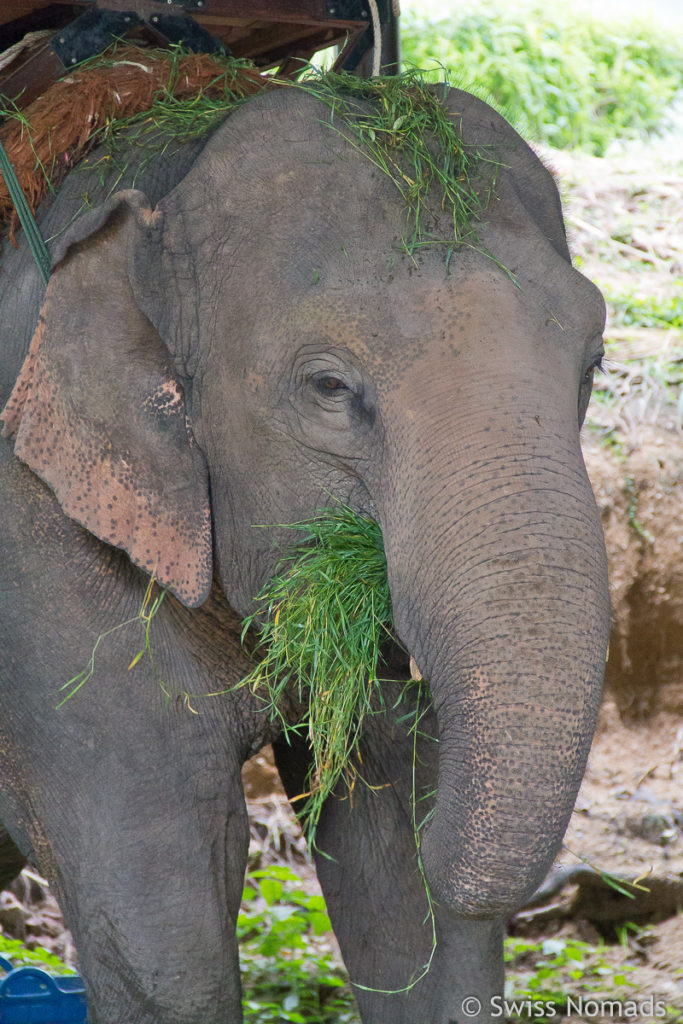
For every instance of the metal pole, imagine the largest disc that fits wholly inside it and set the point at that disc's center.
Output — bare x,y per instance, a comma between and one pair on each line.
391,45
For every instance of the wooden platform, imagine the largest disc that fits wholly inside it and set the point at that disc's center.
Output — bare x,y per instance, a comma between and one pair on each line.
272,33
267,31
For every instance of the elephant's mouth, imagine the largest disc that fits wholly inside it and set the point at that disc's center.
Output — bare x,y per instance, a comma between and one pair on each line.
324,624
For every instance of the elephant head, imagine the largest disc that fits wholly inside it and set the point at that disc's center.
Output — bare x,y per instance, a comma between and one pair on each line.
257,343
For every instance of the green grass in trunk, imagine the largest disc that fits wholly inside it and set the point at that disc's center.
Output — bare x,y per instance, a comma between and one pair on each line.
321,621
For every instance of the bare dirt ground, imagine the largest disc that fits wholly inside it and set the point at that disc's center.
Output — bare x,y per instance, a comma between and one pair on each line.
625,218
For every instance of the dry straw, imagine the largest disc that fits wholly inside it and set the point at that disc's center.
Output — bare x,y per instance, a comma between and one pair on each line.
46,139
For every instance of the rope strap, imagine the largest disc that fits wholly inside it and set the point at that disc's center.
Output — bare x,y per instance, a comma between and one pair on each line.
376,39
26,218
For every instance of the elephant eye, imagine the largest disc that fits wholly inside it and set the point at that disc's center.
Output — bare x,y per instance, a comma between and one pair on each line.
329,383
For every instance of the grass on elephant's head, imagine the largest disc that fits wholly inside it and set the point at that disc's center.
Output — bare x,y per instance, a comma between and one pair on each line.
408,134
153,101
324,616
403,129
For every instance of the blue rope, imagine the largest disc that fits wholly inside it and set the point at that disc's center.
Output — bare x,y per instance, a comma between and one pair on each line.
26,218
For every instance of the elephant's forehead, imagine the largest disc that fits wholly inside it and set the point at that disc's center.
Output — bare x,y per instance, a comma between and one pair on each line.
475,313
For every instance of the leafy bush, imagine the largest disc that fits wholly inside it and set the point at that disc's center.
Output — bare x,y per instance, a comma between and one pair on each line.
288,968
563,77
20,956
548,970
289,972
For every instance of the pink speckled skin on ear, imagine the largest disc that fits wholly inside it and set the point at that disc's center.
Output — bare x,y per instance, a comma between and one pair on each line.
122,461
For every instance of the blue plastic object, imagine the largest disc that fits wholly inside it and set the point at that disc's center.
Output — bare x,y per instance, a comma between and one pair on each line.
31,996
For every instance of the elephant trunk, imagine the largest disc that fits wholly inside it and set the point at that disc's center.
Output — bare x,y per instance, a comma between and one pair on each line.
501,596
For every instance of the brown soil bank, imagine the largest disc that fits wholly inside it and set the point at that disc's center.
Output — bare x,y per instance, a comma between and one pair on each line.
640,497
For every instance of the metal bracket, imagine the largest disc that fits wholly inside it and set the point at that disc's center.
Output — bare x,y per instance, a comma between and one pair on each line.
188,5
181,28
96,29
347,10
91,33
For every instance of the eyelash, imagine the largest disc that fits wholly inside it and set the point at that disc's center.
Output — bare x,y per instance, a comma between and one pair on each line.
597,367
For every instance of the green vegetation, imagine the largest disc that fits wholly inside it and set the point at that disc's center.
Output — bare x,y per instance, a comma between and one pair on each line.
289,972
397,132
180,118
549,970
564,78
397,122
633,310
173,119
324,616
20,956
632,512
648,375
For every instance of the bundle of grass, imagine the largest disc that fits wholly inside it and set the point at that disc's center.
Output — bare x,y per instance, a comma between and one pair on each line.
187,92
321,621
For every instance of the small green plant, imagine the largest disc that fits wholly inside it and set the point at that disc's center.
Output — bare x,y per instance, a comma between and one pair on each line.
632,511
565,77
625,932
321,621
289,972
548,970
20,956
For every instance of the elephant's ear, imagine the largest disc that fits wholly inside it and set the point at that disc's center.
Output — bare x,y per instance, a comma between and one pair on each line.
99,412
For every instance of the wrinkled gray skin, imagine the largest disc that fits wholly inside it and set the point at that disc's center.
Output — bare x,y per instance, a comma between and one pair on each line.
267,295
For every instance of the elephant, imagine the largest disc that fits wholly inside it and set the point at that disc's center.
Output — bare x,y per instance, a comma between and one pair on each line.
232,339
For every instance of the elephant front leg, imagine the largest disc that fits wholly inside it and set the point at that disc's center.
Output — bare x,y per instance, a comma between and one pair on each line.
407,964
157,941
150,859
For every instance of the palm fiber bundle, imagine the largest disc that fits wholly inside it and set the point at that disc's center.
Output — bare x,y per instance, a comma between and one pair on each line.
46,139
